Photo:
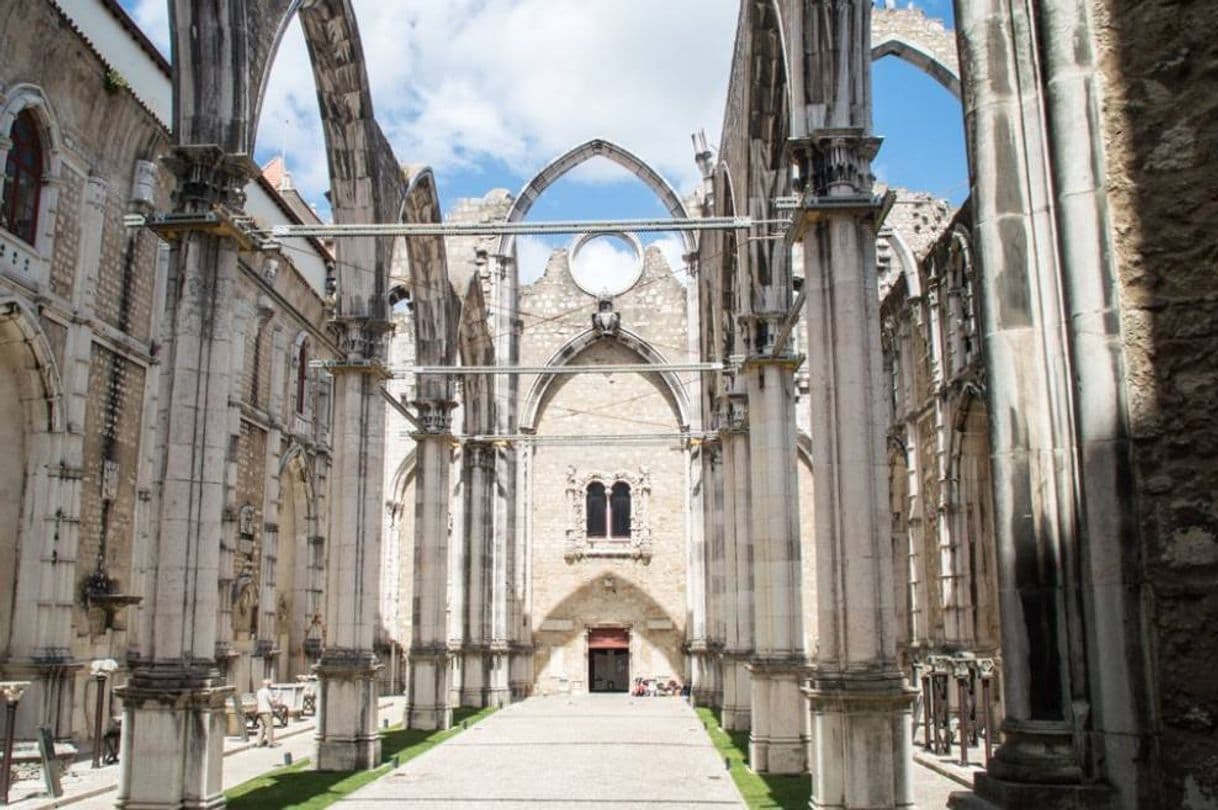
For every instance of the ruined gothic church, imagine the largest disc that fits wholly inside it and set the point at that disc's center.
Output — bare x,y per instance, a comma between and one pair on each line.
891,473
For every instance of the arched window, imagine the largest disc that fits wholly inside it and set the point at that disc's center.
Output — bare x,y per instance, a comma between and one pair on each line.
619,509
22,178
302,377
596,507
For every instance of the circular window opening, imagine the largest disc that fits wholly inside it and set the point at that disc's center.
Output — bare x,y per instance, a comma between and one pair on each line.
606,263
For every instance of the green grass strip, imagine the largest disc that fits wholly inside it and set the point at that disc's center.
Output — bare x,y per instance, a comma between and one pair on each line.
759,790
297,786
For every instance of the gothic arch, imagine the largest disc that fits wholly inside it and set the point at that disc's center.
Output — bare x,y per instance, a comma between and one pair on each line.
925,43
223,61
543,386
596,147
41,387
437,308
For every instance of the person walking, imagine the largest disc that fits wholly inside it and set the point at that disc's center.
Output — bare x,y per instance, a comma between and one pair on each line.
266,715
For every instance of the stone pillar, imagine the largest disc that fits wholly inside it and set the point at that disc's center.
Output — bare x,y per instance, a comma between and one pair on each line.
173,705
269,626
860,702
738,567
429,705
347,738
697,594
485,673
1078,719
776,741
710,691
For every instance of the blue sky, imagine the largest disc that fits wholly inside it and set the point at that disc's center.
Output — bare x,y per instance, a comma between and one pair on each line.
488,91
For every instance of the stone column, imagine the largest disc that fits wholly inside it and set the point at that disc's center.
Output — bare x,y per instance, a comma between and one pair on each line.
347,738
738,566
860,702
429,706
710,692
697,595
269,629
173,705
485,670
776,742
1075,688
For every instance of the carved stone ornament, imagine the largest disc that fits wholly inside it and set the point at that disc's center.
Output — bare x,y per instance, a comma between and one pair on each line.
246,521
579,545
605,321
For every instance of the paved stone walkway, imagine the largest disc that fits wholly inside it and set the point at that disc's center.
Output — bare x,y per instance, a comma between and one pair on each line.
566,752
87,789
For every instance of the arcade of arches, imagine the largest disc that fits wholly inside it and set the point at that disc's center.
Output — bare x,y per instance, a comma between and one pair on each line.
952,476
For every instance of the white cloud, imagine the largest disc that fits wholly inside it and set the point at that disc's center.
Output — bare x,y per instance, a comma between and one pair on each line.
606,265
460,83
532,254
674,253
153,17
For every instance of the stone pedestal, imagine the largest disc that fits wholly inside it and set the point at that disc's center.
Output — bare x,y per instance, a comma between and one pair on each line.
428,708
737,693
862,725
173,741
486,678
778,741
701,673
346,738
520,670
1036,766
993,794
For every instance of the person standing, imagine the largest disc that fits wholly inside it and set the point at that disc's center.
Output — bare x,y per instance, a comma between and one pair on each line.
266,715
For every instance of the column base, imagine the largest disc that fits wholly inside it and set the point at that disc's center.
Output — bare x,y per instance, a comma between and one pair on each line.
1036,766
778,742
347,738
429,707
1036,752
995,794
520,670
485,684
737,712
701,674
173,738
862,740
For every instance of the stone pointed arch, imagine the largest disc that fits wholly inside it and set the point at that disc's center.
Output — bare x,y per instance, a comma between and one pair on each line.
42,389
597,147
437,308
366,182
923,42
477,349
221,53
543,385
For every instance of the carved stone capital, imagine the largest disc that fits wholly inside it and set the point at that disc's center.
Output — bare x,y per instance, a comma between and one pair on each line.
435,415
208,177
480,455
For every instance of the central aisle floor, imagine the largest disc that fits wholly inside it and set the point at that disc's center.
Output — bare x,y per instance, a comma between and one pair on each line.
578,751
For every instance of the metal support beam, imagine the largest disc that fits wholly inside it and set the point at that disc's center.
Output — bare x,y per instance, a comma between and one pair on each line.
402,409
587,440
788,324
521,228
608,368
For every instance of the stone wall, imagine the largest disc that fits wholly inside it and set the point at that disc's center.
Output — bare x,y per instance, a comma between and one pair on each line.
569,595
1158,63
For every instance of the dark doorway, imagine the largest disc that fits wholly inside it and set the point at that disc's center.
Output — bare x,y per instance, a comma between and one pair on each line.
608,659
